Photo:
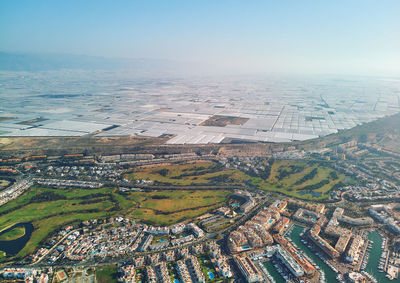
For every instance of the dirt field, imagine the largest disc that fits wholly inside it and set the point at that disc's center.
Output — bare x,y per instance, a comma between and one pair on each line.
222,121
22,146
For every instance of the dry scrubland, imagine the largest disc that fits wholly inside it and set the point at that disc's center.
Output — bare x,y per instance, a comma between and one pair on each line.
23,146
383,133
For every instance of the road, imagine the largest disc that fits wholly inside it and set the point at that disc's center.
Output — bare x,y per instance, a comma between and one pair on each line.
54,246
207,237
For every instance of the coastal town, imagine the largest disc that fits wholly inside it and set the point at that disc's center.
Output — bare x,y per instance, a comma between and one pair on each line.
285,236
349,233
199,141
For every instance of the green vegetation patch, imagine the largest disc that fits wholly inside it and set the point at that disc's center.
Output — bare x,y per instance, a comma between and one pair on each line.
13,234
168,207
107,274
311,180
50,209
197,173
301,179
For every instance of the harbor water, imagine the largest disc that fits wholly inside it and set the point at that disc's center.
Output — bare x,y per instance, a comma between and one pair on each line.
294,235
374,256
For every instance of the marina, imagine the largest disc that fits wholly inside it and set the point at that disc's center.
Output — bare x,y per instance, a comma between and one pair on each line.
329,274
375,262
273,271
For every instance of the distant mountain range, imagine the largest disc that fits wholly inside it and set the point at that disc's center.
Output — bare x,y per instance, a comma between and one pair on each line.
46,62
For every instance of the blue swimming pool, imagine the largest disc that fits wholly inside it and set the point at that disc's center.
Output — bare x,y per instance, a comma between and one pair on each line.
176,281
210,275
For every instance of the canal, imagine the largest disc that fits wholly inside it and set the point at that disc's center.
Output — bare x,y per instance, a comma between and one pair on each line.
330,275
12,247
374,256
273,272
294,235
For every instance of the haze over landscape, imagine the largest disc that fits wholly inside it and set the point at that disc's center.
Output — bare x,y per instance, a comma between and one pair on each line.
341,37
199,141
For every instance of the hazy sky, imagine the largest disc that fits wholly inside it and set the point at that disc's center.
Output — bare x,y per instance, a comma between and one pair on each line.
337,36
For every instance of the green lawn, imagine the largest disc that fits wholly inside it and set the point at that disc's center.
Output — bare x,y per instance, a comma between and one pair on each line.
107,274
168,207
301,179
13,234
207,266
49,209
197,173
294,183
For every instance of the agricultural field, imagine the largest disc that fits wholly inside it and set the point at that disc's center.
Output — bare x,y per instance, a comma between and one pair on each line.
49,209
198,173
301,179
222,121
